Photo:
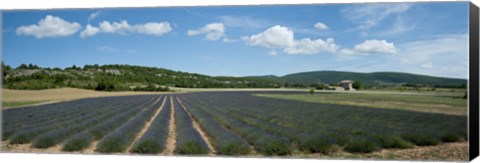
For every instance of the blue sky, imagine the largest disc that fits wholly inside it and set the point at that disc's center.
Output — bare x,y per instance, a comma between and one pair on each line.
422,38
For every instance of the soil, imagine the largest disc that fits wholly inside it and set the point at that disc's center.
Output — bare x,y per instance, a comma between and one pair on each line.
172,133
27,148
91,148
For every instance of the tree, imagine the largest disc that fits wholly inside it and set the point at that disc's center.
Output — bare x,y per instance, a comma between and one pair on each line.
105,86
5,70
312,91
357,85
32,66
22,67
320,86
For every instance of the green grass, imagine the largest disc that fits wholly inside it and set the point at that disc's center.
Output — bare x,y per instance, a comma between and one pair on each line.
423,103
9,104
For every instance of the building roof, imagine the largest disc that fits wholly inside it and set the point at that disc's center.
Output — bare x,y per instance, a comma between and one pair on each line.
346,81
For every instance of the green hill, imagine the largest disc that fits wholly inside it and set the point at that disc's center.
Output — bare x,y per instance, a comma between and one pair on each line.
370,79
128,77
120,77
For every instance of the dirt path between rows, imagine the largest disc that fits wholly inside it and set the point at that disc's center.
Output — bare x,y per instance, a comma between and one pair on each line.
91,148
200,130
172,132
146,127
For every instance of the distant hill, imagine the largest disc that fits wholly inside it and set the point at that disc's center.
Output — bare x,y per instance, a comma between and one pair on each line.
120,77
128,77
370,79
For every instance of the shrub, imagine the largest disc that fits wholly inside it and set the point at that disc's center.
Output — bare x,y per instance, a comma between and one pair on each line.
358,85
22,137
393,142
44,142
341,139
191,147
361,145
147,146
276,148
359,132
316,145
78,142
233,148
111,145
420,139
449,137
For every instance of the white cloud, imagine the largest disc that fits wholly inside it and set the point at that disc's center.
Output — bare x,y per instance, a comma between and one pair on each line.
308,46
375,47
347,52
50,26
428,65
370,15
107,48
212,31
123,28
131,51
364,34
274,37
228,40
320,26
398,27
156,29
93,16
281,37
242,22
272,53
369,47
116,27
89,31
446,54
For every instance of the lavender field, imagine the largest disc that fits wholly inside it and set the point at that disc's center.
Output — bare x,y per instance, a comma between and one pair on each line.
223,123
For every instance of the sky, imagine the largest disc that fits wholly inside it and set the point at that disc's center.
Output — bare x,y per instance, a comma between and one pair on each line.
421,38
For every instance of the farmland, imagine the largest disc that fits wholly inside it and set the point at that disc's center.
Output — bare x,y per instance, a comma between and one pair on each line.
15,98
223,123
435,103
